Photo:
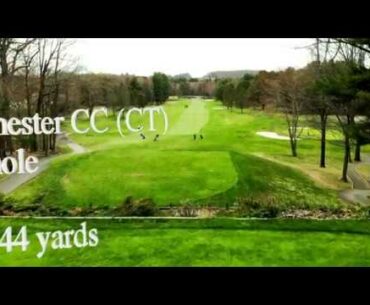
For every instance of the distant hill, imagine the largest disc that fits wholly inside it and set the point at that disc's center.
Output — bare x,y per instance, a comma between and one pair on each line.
182,75
230,74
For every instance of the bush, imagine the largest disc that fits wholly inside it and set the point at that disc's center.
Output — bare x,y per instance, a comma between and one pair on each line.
131,207
39,198
260,207
187,211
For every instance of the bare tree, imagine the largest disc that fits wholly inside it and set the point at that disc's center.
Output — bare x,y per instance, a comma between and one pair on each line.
290,97
319,104
10,49
28,57
51,53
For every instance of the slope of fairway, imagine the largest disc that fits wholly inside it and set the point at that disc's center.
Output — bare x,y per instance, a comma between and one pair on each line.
217,171
229,163
192,119
216,178
266,180
108,177
201,243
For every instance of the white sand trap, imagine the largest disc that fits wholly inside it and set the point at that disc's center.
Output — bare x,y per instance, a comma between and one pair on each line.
272,135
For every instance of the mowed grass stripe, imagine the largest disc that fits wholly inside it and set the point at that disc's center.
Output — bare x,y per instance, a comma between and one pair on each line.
192,120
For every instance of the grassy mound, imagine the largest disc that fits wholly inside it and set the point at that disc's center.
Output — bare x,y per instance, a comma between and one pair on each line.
108,177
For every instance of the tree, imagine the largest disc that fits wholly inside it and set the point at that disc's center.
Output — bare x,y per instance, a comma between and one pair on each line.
56,79
10,50
337,83
135,92
184,87
229,95
28,57
291,98
119,96
206,88
318,104
225,92
362,44
262,90
161,87
31,71
148,96
349,89
242,90
50,55
89,91
361,132
220,88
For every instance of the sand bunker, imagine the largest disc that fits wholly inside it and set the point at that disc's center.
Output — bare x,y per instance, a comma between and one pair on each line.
272,135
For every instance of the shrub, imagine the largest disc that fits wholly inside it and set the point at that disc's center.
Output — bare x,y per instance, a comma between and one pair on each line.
39,198
131,207
187,211
261,207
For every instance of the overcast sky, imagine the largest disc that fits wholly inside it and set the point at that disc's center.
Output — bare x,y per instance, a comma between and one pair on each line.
194,56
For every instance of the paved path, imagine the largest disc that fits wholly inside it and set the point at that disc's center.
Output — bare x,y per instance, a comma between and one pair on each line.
359,183
9,184
76,148
361,187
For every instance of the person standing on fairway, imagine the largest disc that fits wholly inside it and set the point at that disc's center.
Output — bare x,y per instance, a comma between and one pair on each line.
200,133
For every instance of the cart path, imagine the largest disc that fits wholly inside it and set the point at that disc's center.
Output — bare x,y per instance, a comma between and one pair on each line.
360,193
9,184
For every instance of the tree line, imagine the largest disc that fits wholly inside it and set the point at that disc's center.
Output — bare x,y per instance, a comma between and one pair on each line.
335,84
40,76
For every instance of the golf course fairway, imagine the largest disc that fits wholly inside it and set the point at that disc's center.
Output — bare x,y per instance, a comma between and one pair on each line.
231,161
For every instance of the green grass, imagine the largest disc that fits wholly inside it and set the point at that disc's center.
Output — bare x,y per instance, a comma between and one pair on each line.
212,242
192,120
95,141
231,162
76,182
285,184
